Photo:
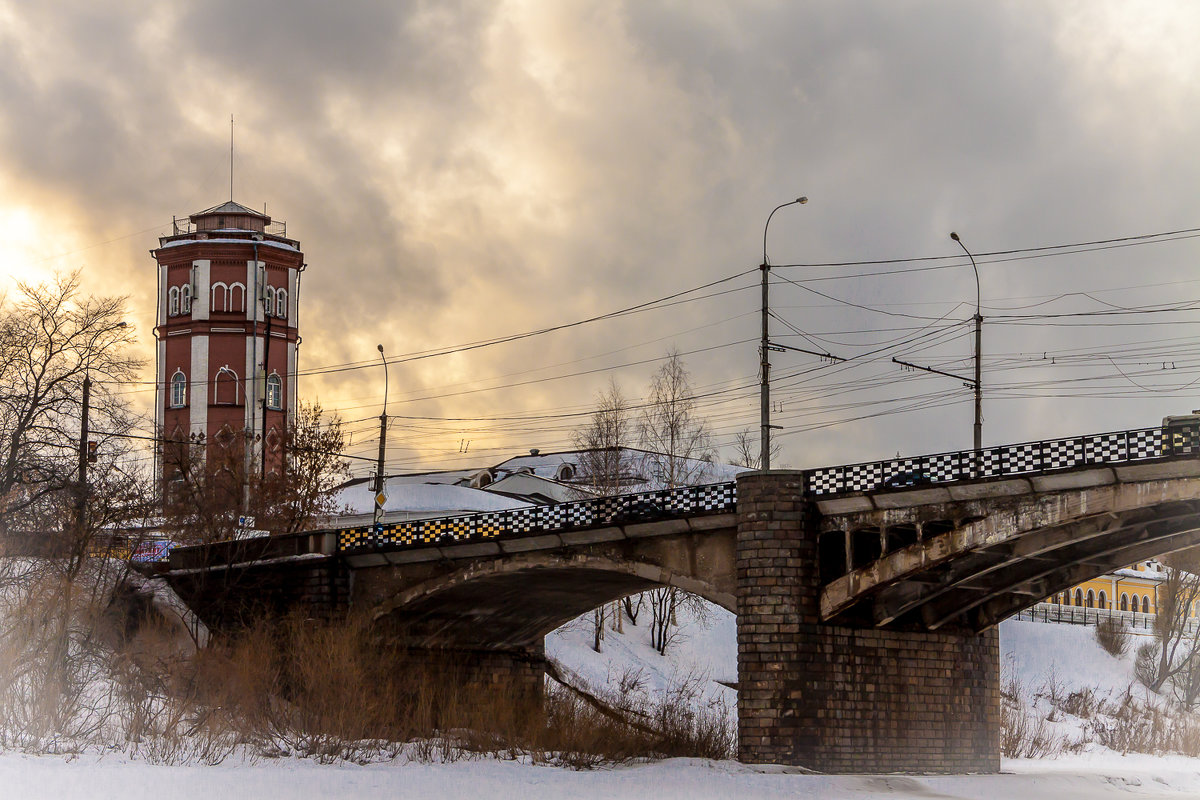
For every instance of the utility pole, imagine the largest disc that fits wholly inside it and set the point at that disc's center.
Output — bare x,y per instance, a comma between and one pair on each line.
382,444
81,493
266,301
978,351
764,350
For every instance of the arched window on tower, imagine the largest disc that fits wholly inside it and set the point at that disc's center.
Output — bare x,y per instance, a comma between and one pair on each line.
220,297
281,308
237,298
178,389
269,301
226,393
173,301
185,299
274,392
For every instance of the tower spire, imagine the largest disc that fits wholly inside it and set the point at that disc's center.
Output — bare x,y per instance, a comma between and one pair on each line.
231,158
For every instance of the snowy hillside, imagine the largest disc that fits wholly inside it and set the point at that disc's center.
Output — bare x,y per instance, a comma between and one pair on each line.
705,651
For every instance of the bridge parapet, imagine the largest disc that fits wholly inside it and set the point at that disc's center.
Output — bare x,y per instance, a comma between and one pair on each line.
1140,444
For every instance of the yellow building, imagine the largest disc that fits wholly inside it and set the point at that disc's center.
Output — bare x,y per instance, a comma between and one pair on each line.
1134,588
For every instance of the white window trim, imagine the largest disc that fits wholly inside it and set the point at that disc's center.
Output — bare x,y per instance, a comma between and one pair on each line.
224,304
239,307
185,299
173,301
275,387
178,389
217,390
281,303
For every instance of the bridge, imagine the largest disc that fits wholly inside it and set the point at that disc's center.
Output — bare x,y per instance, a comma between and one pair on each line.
867,596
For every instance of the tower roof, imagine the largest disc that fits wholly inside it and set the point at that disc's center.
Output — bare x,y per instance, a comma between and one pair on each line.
230,207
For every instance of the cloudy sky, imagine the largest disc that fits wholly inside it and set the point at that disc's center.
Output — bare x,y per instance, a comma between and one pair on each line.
462,171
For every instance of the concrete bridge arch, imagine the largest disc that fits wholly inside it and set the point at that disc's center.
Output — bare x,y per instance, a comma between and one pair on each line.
513,603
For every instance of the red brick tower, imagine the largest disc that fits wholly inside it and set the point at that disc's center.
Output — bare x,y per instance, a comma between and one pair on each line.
228,284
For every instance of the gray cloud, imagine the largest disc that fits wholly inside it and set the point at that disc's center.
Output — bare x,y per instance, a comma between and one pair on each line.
458,171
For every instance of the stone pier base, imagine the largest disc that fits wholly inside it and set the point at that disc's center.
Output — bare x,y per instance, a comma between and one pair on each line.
838,699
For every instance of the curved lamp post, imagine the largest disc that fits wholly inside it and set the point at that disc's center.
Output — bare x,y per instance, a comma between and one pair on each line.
978,347
764,349
382,441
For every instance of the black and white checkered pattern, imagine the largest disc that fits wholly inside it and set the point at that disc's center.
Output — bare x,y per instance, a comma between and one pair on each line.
1017,459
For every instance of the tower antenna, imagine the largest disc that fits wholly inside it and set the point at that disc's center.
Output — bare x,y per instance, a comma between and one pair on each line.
231,158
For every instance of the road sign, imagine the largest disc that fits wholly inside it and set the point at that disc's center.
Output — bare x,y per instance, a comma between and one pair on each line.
245,521
381,499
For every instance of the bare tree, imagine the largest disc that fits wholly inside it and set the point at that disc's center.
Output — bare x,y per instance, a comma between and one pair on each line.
603,442
677,440
747,452
204,496
51,339
679,453
603,462
1174,648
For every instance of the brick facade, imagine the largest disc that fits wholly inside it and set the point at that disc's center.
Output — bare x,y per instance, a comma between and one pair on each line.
838,699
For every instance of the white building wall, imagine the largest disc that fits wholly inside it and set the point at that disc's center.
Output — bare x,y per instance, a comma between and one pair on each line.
162,294
198,386
293,380
201,289
160,387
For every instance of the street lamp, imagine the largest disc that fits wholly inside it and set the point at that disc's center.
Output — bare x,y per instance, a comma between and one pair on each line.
382,442
81,498
978,348
764,349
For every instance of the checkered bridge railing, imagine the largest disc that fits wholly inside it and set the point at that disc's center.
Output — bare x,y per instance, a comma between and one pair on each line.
686,501
718,498
1013,459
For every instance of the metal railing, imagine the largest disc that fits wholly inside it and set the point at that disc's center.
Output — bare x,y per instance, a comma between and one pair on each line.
1018,459
685,501
1014,459
1081,615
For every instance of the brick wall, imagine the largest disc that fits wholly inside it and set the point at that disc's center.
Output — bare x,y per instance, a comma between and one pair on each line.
839,699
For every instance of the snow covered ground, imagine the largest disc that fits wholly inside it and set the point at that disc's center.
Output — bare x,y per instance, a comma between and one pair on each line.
92,778
1035,652
705,650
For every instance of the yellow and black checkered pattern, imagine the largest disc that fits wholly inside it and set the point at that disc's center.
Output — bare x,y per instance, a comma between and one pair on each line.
684,501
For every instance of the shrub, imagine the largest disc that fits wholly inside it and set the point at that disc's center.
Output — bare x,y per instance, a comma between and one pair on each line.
1113,636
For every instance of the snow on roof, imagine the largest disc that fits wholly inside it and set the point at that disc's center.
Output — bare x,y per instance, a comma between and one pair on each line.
425,497
210,240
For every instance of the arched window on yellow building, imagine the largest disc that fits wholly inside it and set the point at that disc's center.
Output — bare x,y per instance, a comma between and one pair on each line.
1146,604
1079,597
1091,599
1125,601
1103,602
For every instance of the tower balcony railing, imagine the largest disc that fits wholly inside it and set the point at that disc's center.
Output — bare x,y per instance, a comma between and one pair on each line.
182,227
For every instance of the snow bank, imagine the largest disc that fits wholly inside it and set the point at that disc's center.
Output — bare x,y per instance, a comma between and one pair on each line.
678,779
1037,651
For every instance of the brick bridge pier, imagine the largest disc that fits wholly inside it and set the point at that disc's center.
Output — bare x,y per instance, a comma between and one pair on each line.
844,699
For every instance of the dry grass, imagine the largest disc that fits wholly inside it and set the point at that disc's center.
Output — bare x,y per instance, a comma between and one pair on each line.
71,679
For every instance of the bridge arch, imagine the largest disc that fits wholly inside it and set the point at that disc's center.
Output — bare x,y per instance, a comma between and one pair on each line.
1021,551
513,603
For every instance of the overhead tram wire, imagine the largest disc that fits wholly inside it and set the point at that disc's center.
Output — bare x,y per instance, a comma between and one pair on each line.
1024,252
649,305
